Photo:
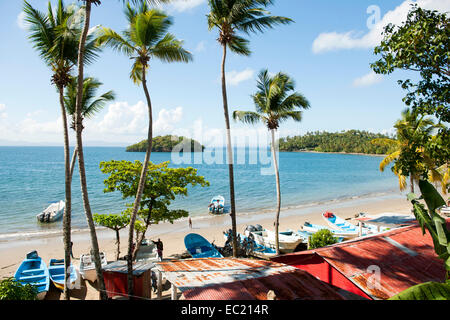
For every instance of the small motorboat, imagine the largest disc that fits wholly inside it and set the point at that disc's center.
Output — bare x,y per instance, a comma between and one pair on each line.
56,272
52,213
87,266
199,247
288,241
147,251
217,205
313,228
34,271
342,225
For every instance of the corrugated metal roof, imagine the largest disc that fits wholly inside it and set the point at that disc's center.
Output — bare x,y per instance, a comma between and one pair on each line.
405,257
121,266
243,279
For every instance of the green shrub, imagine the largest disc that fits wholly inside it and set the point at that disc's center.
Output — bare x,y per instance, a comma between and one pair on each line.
11,289
322,238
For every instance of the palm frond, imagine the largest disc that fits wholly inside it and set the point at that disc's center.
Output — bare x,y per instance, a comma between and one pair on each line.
388,159
240,46
247,117
110,38
169,49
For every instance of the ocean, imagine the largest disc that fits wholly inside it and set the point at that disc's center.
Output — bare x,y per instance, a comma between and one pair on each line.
32,177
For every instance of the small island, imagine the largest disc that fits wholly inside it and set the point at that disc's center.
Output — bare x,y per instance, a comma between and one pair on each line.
352,141
167,144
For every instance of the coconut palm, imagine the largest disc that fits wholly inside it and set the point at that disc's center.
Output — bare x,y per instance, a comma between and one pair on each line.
231,17
55,36
275,103
79,128
90,105
412,133
145,39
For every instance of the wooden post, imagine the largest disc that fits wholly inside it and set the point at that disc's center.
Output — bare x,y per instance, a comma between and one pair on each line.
159,289
174,292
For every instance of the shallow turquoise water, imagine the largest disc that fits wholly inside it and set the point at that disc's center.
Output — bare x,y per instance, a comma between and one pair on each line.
31,177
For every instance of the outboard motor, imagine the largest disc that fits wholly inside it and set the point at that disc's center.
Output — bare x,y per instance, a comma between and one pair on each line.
251,228
259,227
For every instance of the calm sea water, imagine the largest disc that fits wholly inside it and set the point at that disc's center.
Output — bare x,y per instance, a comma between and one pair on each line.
31,177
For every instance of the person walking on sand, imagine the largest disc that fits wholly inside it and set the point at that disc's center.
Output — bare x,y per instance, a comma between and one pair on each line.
190,223
71,252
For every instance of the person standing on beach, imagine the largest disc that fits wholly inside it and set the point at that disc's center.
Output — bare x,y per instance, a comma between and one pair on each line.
159,249
71,252
190,223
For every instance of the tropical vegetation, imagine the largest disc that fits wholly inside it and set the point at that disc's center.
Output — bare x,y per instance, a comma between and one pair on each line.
322,238
115,222
275,102
11,289
167,144
55,36
145,39
231,18
351,141
162,185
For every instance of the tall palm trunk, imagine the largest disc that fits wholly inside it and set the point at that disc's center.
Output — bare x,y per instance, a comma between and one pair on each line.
277,176
81,167
68,206
411,181
230,153
141,186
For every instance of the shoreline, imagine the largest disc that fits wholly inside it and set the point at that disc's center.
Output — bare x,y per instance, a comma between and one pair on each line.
344,153
12,252
288,210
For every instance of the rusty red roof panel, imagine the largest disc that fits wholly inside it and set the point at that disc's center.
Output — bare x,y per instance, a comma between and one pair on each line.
243,279
404,256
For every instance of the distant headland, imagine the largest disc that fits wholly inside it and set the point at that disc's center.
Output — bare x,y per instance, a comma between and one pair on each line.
167,144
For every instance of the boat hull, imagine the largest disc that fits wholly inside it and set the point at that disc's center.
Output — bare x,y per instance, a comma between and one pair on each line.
33,270
267,239
87,266
199,247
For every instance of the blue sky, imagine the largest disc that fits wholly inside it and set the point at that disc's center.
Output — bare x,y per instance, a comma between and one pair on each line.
327,51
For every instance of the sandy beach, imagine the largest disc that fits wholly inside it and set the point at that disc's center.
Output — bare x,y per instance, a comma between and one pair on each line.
12,251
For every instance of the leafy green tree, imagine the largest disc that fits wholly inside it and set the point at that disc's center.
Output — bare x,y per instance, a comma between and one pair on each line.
409,156
115,222
275,103
162,186
421,44
231,17
11,289
55,36
146,38
322,238
166,144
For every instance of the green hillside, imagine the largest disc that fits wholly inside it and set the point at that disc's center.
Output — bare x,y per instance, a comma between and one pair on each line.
166,144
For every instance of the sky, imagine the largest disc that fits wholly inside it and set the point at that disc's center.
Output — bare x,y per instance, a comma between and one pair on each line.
328,51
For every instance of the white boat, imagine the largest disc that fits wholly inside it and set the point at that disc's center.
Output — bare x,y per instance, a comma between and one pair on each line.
217,205
445,210
342,225
147,251
87,266
288,241
52,213
313,228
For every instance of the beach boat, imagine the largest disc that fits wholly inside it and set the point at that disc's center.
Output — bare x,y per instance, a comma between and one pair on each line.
56,272
199,247
87,266
217,205
288,241
52,213
147,251
258,250
34,271
340,224
313,228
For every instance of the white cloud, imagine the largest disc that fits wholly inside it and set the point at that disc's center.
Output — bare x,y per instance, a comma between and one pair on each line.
367,80
332,41
21,21
235,77
3,114
184,5
201,46
167,119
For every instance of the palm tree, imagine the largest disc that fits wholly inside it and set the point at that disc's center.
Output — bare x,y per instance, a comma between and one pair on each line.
412,133
145,39
55,36
79,128
90,105
275,103
231,17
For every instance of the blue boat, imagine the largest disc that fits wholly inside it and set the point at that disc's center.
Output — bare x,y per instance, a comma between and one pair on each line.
56,273
199,247
34,271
